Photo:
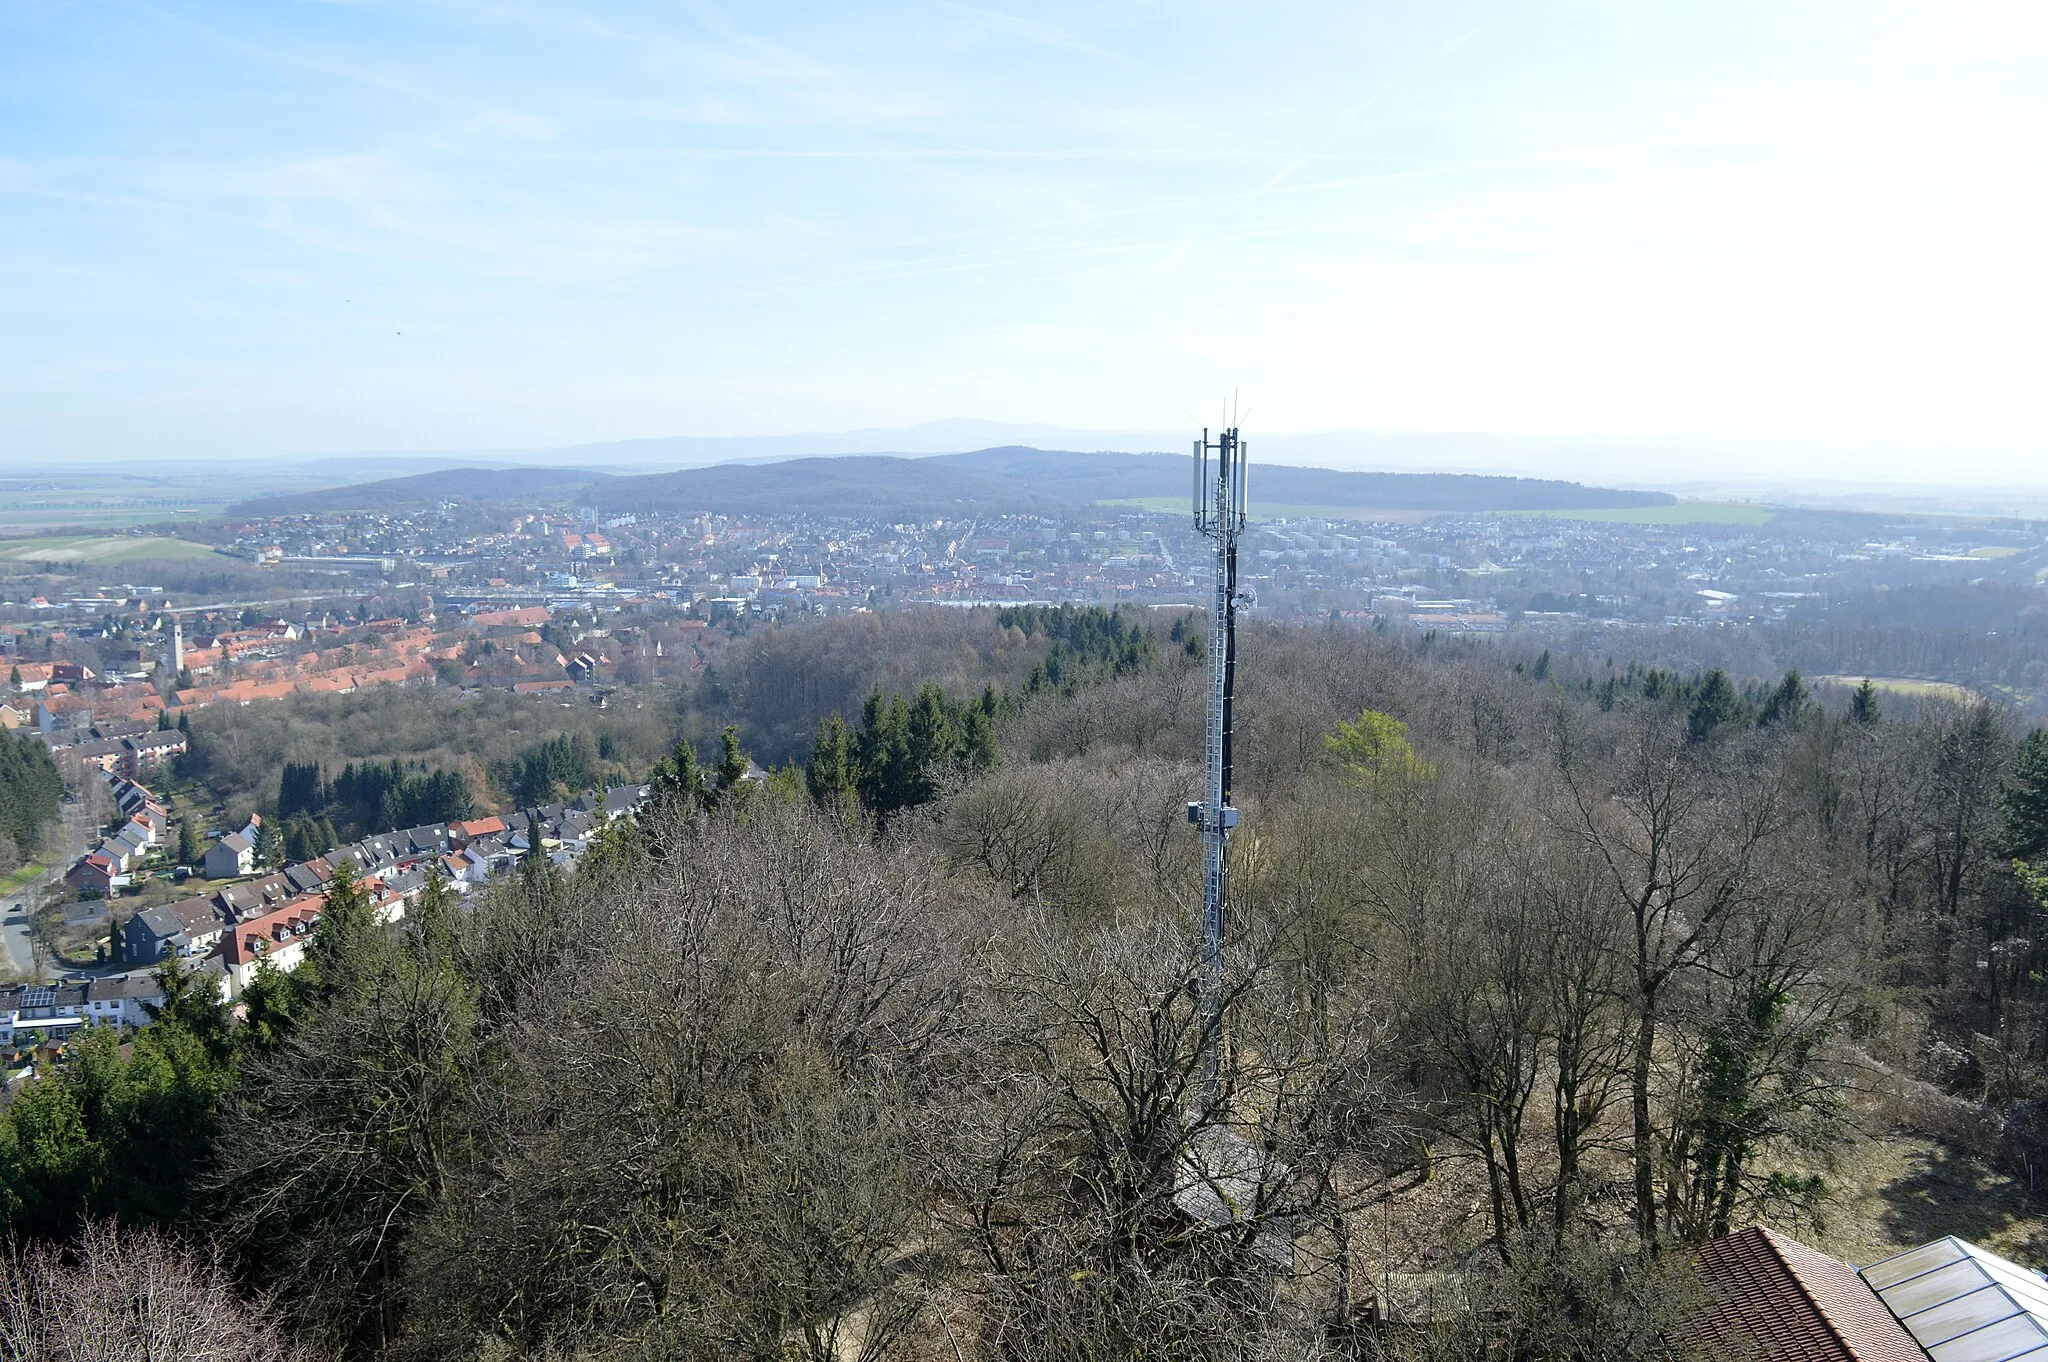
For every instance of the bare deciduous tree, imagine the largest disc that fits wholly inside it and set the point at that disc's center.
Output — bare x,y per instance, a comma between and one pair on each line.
129,1296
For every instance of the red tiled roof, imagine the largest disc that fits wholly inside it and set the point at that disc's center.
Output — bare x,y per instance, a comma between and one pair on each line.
532,614
1792,1303
276,927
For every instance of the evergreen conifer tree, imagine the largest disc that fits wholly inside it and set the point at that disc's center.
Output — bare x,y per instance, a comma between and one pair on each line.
1787,703
1714,704
347,945
2024,802
270,1007
731,771
430,924
831,776
191,1001
269,845
677,782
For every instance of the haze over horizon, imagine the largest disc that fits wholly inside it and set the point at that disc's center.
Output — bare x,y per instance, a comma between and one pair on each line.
1801,238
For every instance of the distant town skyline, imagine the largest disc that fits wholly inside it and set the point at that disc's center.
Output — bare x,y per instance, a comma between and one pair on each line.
1804,235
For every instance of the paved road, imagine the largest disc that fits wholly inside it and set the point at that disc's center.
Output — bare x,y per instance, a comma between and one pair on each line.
78,835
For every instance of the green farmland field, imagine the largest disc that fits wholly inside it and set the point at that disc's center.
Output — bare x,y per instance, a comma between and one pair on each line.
113,548
1682,513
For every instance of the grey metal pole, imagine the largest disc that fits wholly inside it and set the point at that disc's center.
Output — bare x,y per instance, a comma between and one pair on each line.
1219,514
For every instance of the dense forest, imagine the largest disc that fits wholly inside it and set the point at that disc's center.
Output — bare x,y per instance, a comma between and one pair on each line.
1991,637
290,756
311,758
29,792
896,1055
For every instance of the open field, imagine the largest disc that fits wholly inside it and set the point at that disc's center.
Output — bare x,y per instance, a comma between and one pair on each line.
1903,685
1995,551
1683,513
16,517
1268,510
86,495
16,879
1897,1189
99,549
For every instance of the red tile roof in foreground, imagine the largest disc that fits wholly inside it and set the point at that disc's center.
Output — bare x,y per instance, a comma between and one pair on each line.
1791,1303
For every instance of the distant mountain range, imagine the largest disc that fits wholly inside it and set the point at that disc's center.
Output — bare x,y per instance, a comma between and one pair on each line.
1507,455
1008,479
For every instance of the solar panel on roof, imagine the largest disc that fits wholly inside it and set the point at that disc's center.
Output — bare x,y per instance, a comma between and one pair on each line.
1912,1263
1997,1342
1963,1303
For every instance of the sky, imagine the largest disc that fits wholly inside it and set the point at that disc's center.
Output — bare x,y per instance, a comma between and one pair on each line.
259,228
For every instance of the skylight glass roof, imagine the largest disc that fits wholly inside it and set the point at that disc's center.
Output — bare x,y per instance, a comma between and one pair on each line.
1964,1304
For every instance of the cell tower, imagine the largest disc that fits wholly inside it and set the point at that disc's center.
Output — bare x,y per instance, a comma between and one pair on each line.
1219,506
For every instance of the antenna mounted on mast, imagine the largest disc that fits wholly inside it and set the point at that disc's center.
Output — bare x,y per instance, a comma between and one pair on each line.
1220,506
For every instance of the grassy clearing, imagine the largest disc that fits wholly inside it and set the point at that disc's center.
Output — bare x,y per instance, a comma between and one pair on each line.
99,549
1904,685
1994,551
1899,1189
1681,513
11,882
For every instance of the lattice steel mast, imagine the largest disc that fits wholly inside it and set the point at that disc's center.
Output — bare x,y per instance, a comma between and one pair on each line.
1219,506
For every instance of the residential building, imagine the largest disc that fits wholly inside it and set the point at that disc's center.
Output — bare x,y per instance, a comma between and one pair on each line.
124,1000
98,873
1774,1299
107,755
41,1013
279,937
146,753
187,927
232,855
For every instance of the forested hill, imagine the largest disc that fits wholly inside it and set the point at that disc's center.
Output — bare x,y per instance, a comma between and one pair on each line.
491,486
883,486
987,481
1117,477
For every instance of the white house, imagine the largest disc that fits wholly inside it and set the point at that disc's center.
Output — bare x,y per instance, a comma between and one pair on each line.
279,936
232,855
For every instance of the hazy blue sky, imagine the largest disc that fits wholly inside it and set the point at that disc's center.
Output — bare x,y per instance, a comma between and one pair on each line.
271,226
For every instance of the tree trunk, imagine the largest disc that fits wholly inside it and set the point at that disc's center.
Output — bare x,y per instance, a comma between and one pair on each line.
1493,1188
1639,1102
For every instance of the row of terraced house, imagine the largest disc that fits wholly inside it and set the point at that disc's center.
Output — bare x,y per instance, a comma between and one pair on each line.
120,854
230,932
